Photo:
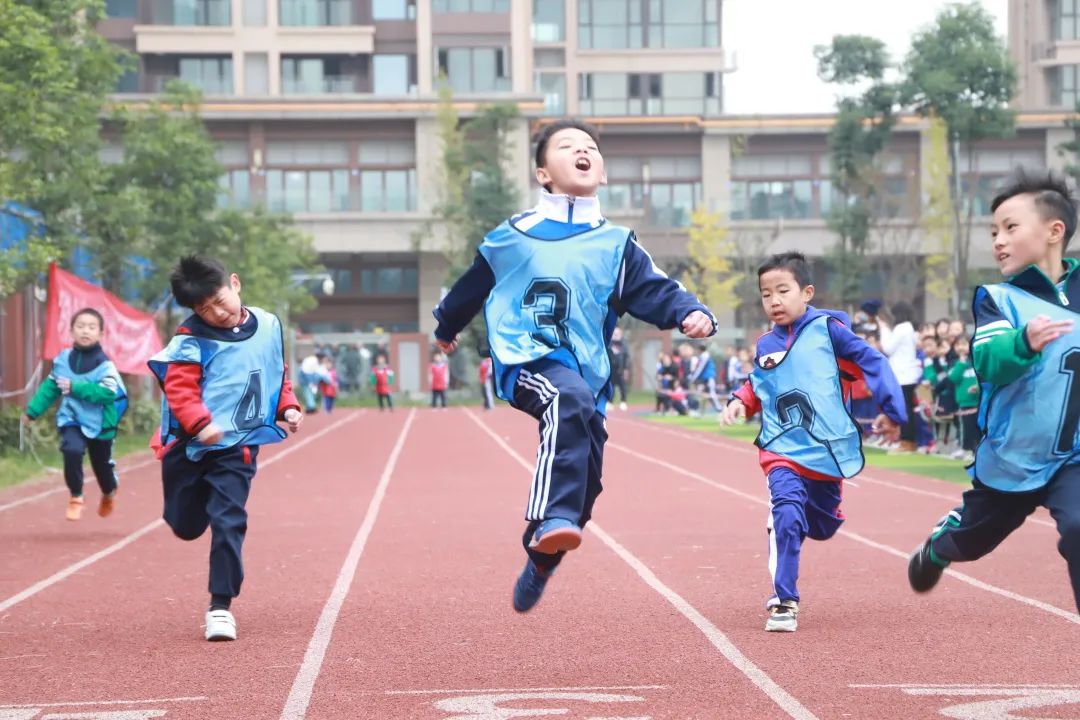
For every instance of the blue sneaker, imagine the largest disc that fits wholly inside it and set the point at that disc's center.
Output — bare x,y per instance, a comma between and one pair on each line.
529,587
556,535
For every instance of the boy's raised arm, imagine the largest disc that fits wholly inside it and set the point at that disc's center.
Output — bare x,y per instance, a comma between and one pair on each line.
646,292
875,369
464,300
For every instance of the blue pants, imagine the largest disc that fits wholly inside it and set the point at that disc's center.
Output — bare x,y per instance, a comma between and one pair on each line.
212,493
801,508
73,445
989,516
570,459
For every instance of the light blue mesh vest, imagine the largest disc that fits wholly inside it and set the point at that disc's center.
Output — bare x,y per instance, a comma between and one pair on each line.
803,416
552,295
241,384
1031,423
88,416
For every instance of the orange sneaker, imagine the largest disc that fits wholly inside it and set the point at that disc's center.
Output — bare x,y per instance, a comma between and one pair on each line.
74,508
107,504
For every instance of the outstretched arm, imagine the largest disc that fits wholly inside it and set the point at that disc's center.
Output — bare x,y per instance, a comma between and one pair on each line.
463,301
646,292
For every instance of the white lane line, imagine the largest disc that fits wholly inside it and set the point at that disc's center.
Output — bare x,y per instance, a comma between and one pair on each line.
91,703
63,488
488,691
1052,609
127,540
303,686
742,447
967,686
718,639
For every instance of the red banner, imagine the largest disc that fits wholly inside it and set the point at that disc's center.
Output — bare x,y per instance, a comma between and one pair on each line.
131,336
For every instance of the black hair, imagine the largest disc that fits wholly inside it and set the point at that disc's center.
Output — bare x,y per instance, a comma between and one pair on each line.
792,261
93,313
903,312
195,279
548,131
1053,198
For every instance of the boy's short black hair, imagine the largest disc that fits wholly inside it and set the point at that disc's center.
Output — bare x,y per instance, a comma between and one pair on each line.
546,133
792,261
93,313
1053,198
195,279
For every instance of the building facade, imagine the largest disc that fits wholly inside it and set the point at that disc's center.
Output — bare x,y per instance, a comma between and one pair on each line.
326,109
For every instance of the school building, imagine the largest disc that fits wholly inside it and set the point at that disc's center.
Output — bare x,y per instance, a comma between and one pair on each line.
326,109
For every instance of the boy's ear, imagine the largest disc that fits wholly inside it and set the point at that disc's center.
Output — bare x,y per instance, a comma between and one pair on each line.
234,280
808,293
543,177
1057,231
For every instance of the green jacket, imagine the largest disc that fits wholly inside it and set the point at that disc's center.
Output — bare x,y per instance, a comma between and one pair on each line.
962,374
49,392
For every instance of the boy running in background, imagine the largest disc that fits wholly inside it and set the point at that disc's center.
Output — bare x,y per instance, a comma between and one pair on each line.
92,402
808,441
382,379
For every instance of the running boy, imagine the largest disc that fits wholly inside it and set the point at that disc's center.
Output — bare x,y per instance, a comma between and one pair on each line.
226,386
553,281
1026,353
800,383
92,402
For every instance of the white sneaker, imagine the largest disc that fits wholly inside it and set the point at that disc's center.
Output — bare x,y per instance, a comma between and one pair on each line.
958,454
220,625
783,617
622,406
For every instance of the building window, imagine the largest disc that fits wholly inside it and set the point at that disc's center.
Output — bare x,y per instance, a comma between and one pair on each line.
471,6
314,191
665,188
610,24
549,21
553,87
769,187
128,81
393,10
192,12
986,170
235,189
389,281
315,76
1065,19
1063,86
387,175
316,13
683,24
391,74
212,75
121,8
692,93
475,70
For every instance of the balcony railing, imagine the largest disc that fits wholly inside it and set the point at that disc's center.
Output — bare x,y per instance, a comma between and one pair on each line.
316,13
200,13
329,85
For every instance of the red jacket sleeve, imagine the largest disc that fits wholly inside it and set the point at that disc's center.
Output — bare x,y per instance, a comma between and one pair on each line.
184,396
749,399
288,397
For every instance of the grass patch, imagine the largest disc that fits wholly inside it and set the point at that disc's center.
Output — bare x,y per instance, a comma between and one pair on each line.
934,466
16,467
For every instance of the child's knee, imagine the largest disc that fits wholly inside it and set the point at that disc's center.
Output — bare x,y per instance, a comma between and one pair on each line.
187,532
1069,543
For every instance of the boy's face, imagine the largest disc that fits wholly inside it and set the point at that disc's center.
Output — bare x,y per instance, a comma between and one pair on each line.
573,164
222,309
1022,236
929,346
961,347
782,298
85,331
956,329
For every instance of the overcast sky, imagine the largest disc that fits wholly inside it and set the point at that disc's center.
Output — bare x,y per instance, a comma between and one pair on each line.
773,41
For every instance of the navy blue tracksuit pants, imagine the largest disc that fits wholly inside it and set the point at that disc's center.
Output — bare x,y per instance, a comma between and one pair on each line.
73,445
569,461
212,493
800,508
988,516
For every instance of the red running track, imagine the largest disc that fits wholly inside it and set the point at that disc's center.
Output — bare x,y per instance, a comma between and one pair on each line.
380,556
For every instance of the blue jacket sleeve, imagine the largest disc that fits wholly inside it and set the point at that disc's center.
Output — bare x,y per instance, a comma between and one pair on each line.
646,292
875,368
464,300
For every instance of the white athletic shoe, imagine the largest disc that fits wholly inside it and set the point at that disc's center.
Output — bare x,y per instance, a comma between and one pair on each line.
220,625
783,617
622,406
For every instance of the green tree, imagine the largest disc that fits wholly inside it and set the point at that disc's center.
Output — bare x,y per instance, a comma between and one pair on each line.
938,215
860,133
708,272
264,249
476,191
959,70
56,73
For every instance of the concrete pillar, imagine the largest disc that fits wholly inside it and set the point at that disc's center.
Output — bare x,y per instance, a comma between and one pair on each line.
716,172
432,280
428,161
425,62
518,158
